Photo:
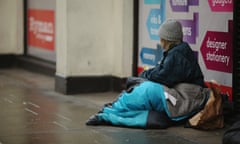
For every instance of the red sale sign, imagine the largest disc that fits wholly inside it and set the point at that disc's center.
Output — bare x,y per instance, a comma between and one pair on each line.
41,29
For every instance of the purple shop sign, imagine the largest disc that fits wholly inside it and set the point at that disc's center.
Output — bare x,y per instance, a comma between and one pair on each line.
182,5
190,29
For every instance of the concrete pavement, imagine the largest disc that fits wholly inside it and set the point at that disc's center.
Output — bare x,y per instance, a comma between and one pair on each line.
31,112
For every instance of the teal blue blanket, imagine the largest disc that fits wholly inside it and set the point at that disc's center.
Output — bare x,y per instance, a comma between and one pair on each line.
132,109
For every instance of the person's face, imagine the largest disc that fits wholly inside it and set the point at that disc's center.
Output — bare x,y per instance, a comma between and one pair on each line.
163,44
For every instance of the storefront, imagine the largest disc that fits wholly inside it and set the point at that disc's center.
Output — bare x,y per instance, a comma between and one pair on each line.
207,27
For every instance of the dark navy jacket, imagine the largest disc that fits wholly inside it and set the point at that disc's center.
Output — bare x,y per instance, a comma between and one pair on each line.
178,65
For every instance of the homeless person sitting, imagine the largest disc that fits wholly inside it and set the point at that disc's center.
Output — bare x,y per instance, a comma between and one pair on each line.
170,92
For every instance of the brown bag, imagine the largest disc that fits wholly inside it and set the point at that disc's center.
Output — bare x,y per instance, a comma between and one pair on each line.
211,116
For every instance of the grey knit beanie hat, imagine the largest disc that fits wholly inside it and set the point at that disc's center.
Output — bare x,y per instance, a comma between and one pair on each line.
171,30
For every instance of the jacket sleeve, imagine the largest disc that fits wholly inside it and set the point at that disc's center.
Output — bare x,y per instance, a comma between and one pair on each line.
171,72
